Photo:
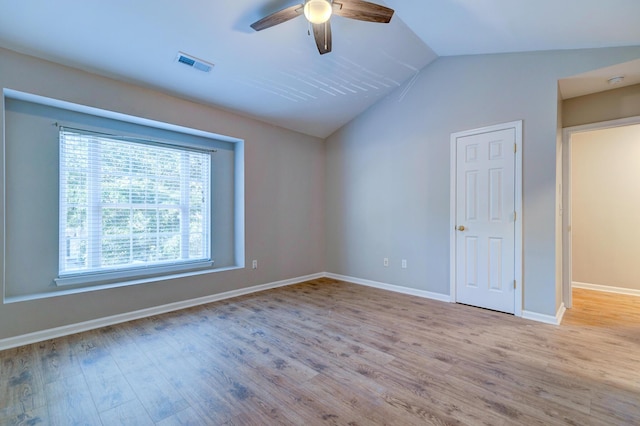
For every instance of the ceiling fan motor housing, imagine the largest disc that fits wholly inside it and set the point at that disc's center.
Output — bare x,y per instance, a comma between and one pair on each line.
317,11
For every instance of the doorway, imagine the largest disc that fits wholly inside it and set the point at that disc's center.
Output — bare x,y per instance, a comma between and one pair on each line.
486,217
600,238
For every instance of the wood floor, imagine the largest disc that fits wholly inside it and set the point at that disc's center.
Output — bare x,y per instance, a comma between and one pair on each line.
328,352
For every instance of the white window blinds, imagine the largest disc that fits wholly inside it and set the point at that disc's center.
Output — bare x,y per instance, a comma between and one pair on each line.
127,204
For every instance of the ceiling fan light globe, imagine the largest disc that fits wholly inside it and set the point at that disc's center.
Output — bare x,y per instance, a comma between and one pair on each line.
317,11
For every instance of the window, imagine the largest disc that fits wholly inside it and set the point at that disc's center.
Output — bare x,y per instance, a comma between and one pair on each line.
57,245
130,205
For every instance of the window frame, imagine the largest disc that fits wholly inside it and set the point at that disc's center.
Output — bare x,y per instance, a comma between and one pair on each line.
129,271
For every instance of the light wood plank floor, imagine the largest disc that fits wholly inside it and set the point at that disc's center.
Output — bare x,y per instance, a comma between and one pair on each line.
328,352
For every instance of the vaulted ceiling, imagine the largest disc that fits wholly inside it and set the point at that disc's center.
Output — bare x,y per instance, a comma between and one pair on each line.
276,75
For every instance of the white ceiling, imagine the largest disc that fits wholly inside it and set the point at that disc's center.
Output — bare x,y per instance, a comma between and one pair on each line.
468,27
277,75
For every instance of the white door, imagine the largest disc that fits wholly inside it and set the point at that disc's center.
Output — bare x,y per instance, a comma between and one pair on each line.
485,219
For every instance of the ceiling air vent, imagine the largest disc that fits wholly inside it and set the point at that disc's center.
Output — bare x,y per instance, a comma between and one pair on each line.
194,63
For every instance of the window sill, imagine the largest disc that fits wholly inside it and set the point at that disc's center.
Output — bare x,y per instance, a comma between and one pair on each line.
133,273
89,288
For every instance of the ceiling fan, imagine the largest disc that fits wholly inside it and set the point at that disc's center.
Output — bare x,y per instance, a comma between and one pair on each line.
318,13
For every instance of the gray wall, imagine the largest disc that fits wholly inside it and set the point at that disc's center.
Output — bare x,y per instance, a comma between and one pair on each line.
284,196
605,197
379,188
388,170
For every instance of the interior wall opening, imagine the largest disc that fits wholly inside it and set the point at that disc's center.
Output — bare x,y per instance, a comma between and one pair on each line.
602,182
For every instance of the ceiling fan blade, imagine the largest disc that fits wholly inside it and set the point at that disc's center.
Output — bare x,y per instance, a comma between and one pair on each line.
322,34
362,11
278,17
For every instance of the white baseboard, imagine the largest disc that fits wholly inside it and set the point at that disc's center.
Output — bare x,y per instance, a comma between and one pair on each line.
534,316
547,319
606,288
396,288
66,330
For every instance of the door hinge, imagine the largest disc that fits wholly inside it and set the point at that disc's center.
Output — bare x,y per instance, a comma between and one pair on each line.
514,283
515,216
515,148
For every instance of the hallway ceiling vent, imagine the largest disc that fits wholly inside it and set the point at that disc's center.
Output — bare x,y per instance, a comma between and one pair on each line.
193,62
613,81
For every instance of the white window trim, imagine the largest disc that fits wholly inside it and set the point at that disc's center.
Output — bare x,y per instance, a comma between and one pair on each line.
94,275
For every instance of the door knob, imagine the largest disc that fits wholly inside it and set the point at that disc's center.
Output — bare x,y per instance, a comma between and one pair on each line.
461,228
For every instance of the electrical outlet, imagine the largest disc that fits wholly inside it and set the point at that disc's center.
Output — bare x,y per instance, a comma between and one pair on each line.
385,262
254,264
404,263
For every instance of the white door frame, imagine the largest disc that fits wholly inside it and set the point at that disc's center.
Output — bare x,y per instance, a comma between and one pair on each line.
567,133
517,126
